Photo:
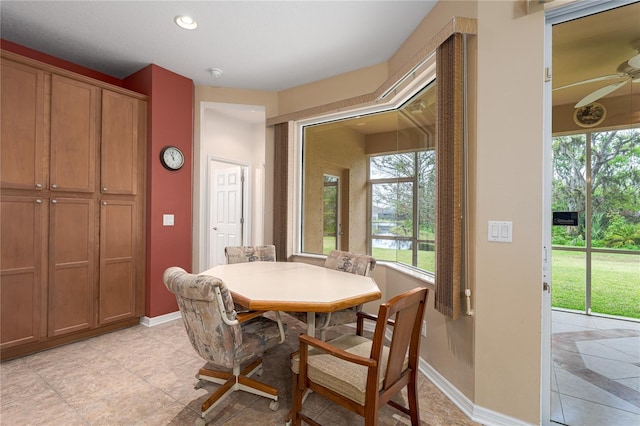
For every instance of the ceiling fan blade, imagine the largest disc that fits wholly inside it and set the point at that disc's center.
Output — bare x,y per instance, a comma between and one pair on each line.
591,80
603,91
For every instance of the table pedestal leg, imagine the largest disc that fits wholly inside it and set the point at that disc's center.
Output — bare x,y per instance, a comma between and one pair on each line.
311,324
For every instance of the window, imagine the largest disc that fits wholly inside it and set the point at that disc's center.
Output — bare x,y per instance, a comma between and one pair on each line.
330,214
380,199
402,208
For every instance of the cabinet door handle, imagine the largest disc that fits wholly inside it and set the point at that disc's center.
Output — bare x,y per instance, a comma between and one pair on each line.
104,189
54,201
104,203
38,201
38,185
54,186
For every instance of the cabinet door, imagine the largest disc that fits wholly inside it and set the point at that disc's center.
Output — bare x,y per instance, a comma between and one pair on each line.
72,254
74,115
118,236
22,129
22,248
119,143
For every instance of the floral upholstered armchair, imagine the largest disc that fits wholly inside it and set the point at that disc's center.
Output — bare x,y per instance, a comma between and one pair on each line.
240,254
352,263
223,338
243,254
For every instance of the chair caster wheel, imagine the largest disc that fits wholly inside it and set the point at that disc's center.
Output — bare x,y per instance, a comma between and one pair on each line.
273,405
200,422
198,384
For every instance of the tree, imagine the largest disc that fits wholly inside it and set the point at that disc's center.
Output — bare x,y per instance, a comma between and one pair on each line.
397,176
615,179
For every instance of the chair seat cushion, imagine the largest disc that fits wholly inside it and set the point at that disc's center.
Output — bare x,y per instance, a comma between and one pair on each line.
343,377
258,335
344,316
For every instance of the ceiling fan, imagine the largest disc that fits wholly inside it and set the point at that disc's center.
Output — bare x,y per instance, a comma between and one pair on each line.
629,70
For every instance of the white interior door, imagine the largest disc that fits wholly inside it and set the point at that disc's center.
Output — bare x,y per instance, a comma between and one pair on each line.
226,209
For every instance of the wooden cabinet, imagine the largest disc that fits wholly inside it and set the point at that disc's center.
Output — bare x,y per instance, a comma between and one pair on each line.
71,265
118,247
22,132
22,279
72,208
74,127
120,125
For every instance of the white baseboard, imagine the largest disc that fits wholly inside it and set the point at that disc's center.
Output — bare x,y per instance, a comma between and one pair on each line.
150,322
474,412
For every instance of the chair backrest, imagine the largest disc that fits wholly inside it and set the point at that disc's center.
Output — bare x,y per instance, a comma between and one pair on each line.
203,301
359,264
407,310
241,254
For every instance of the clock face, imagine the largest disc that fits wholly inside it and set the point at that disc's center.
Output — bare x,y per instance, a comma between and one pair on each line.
172,158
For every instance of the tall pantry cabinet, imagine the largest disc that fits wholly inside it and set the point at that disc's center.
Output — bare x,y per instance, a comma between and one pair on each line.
72,206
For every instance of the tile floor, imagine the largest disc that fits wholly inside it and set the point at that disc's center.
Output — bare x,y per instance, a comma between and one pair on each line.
596,371
145,376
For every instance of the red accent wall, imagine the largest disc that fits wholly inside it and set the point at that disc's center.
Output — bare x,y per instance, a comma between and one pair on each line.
170,111
170,122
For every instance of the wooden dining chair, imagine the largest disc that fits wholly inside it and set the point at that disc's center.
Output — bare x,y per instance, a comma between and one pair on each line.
243,254
352,263
223,338
362,374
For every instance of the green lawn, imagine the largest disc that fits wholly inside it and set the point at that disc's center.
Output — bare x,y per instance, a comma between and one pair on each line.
615,283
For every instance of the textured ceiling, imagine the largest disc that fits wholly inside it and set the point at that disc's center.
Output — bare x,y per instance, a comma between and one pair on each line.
261,45
275,45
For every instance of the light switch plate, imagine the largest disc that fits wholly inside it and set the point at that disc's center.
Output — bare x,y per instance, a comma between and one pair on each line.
167,220
500,231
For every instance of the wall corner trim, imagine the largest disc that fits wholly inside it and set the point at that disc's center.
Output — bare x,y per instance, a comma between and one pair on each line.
161,319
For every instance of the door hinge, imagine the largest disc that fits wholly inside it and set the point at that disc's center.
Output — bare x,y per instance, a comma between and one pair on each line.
546,287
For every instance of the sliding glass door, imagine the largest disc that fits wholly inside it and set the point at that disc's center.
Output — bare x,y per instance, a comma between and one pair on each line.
596,259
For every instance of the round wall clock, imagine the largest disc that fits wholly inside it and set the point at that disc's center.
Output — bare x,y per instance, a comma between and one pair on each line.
590,115
171,158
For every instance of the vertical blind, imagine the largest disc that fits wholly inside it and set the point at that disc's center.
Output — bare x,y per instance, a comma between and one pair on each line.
450,174
280,189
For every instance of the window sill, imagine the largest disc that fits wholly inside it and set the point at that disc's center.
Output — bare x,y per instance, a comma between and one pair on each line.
425,277
415,273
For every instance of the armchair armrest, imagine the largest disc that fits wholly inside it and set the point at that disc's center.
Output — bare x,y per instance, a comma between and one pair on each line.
246,316
306,340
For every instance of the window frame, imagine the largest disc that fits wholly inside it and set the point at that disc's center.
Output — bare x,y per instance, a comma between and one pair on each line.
414,239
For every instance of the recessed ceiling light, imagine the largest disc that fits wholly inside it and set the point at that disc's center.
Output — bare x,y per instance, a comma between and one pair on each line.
186,22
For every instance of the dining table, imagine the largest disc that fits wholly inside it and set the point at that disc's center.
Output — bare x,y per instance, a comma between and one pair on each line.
294,287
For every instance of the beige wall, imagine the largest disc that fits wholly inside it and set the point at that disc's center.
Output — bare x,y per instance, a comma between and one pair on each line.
494,357
340,149
343,86
508,186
